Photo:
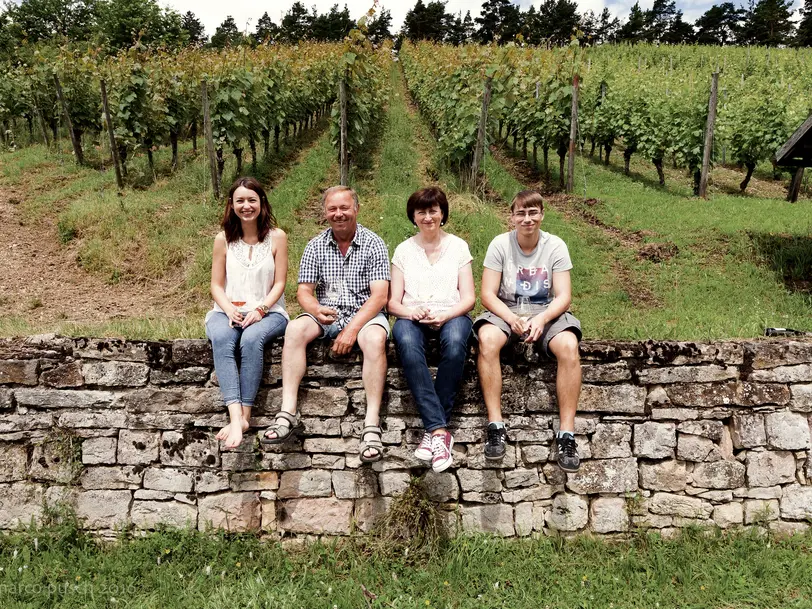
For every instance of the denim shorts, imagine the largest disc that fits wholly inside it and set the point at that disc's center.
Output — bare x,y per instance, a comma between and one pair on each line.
331,331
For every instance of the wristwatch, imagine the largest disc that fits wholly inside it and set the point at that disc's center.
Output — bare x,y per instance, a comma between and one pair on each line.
263,309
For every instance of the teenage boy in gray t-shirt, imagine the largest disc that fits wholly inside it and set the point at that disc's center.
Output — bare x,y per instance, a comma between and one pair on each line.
526,289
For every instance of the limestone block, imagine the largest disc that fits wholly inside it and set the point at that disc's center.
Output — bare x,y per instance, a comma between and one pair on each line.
801,398
687,374
663,476
609,515
235,512
652,521
355,484
116,374
306,483
695,448
211,481
89,419
604,476
523,519
150,514
611,441
477,460
784,374
267,509
615,372
20,504
768,468
99,451
393,482
13,462
116,477
331,445
674,414
368,512
520,477
286,461
255,481
238,461
143,494
167,421
328,462
103,509
716,496
533,493
679,505
324,402
322,427
138,447
712,430
56,461
612,398
6,398
496,519
192,351
655,440
740,393
192,374
534,453
63,398
768,354
114,349
747,431
442,487
188,400
796,504
728,515
474,497
718,475
769,492
480,480
554,474
787,431
784,529
399,457
758,511
189,449
328,516
568,513
19,372
169,479
63,376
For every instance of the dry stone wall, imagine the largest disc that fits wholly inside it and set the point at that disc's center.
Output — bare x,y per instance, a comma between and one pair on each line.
671,434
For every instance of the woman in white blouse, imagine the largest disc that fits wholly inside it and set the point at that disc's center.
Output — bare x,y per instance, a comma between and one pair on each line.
248,272
431,293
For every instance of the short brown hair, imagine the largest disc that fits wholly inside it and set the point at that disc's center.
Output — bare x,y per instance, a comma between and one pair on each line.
334,189
231,223
426,198
527,198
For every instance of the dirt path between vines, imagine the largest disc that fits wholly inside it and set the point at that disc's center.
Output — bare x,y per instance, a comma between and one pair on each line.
41,281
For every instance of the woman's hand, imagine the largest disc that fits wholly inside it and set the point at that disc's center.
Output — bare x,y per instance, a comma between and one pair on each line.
235,317
419,313
436,320
251,317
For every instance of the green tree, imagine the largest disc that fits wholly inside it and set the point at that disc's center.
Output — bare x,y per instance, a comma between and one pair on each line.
768,22
379,27
558,20
719,24
36,20
194,28
499,20
804,36
608,27
679,31
331,26
427,22
296,23
658,19
226,34
124,22
634,29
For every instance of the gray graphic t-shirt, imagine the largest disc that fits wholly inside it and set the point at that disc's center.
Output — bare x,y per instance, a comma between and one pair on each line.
531,274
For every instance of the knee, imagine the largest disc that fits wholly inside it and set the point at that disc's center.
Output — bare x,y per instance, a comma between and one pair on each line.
222,339
567,350
295,335
373,341
490,342
405,337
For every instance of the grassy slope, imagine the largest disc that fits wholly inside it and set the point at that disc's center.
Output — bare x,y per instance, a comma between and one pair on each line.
727,279
213,571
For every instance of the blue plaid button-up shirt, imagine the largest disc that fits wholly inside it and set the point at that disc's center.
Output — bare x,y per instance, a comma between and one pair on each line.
367,260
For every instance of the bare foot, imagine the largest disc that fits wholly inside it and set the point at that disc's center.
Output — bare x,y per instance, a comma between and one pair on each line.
233,434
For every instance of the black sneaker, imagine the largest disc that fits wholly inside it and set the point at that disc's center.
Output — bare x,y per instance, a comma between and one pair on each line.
567,457
495,445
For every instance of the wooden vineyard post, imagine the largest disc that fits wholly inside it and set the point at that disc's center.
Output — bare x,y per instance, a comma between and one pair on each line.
573,135
706,155
111,132
795,185
343,153
208,136
479,148
77,145
43,127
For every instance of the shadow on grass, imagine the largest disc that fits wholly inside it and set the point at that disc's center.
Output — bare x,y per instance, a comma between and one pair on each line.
789,256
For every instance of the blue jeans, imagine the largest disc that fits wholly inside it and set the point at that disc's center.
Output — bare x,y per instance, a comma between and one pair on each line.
240,387
434,400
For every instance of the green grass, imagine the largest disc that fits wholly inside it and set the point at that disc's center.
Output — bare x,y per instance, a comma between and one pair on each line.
743,262
62,568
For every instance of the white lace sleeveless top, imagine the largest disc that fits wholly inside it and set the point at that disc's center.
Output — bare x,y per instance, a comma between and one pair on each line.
250,274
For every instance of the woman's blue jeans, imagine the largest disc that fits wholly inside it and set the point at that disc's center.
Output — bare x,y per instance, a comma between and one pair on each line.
435,400
240,387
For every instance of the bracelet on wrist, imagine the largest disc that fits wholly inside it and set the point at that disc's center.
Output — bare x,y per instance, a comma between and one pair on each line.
261,311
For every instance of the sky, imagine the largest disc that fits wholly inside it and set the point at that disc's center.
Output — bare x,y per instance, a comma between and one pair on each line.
247,12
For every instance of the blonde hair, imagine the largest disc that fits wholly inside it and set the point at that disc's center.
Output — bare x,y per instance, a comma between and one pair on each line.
334,189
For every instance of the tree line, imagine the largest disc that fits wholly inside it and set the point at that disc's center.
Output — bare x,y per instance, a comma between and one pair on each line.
114,25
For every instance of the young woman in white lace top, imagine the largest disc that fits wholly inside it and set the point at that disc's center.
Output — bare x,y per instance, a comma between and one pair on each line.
248,274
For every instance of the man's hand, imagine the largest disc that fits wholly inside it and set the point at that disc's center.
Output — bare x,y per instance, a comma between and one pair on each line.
435,320
518,325
326,315
535,328
345,340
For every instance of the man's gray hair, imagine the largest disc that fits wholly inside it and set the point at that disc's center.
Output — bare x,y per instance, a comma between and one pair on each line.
335,189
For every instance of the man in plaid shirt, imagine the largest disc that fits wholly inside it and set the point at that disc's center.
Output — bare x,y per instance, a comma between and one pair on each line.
343,287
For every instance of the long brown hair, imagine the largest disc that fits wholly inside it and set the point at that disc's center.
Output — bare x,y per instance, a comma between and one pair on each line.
231,223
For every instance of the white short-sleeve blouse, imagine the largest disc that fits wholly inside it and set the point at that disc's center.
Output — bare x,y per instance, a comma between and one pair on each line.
435,286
